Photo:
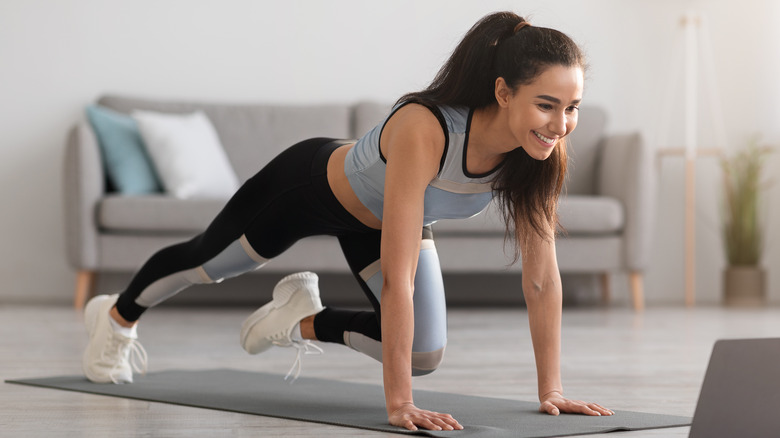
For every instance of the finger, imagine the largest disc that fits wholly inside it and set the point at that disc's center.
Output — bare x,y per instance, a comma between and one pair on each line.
577,407
444,421
409,424
450,421
427,423
447,424
601,409
585,409
549,408
442,424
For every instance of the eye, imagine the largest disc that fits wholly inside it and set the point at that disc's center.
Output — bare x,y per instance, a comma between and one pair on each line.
572,109
545,106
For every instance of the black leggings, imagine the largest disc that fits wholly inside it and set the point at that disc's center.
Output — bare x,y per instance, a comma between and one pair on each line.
290,199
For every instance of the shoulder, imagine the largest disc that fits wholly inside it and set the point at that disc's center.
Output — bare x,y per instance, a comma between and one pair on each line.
418,116
414,123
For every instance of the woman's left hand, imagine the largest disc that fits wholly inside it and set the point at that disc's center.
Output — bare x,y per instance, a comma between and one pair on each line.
554,403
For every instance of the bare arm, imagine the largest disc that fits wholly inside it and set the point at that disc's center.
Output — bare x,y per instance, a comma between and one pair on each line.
412,142
543,295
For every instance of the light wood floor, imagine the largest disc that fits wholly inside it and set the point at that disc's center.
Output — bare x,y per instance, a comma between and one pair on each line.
652,362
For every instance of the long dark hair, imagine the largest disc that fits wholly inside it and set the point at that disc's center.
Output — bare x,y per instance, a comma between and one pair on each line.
504,45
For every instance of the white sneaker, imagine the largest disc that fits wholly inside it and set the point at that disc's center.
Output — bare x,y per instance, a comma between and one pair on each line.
295,297
110,356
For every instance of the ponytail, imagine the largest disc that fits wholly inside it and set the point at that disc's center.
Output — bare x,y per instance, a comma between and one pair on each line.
505,45
468,77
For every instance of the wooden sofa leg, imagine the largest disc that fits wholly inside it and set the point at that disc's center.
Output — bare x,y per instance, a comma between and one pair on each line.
637,290
606,292
85,283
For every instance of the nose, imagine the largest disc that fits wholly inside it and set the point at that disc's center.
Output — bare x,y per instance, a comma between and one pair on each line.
558,124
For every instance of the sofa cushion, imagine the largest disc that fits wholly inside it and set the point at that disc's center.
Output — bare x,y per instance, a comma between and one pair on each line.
187,154
125,159
579,215
591,215
156,213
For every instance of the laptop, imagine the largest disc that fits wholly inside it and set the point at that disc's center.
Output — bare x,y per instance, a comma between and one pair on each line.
740,396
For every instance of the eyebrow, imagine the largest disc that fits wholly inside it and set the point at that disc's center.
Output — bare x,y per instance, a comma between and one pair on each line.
555,99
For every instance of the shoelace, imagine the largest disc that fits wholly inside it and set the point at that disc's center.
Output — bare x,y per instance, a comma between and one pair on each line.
304,346
123,346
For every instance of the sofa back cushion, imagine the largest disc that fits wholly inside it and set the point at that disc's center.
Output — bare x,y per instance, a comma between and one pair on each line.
252,134
583,151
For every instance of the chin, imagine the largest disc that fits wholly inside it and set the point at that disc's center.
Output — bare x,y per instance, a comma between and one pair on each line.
539,155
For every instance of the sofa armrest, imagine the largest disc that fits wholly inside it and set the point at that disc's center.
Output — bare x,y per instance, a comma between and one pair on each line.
84,185
625,172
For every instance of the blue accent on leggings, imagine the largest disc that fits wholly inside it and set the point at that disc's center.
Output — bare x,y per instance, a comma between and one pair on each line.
430,308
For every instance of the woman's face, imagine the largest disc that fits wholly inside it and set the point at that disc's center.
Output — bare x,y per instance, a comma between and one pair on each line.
541,113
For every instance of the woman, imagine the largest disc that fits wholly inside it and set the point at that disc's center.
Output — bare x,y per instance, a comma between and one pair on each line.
492,123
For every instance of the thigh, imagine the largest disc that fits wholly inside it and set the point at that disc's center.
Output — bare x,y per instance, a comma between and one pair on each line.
288,170
294,200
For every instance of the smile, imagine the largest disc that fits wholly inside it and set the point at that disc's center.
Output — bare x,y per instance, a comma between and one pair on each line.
547,140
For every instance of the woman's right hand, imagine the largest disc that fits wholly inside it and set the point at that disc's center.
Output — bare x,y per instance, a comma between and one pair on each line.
410,417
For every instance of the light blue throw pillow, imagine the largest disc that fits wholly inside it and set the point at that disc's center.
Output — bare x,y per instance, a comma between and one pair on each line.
125,159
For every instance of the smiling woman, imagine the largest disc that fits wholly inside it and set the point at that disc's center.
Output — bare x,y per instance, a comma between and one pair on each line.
530,66
492,123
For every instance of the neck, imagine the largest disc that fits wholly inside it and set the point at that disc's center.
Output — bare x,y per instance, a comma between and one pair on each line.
487,141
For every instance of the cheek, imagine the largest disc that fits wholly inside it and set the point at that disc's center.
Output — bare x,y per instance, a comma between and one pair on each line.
570,125
529,121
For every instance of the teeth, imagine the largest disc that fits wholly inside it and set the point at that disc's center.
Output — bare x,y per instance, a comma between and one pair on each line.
543,138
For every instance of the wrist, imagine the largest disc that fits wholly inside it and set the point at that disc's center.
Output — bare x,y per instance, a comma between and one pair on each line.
392,408
547,394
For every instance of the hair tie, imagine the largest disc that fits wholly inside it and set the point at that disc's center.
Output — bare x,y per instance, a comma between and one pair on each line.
520,25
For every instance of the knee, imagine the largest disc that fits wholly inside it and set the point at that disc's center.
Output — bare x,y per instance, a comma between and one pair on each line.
426,362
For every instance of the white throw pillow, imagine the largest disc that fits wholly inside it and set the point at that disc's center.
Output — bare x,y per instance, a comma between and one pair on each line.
187,154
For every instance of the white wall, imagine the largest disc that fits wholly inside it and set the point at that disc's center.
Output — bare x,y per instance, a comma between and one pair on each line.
58,56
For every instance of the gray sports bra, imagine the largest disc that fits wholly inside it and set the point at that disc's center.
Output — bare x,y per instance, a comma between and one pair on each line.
453,194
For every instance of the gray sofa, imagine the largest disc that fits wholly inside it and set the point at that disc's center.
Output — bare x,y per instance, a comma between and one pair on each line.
607,210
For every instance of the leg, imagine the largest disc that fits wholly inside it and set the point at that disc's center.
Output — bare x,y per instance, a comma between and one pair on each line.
605,288
637,290
361,330
276,194
85,284
223,250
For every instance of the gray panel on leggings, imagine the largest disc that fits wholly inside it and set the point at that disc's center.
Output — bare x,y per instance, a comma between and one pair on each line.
231,262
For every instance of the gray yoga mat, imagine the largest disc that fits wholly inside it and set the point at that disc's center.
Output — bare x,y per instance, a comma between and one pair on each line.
351,404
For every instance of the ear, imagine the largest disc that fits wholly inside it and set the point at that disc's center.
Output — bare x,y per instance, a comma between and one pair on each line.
503,92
